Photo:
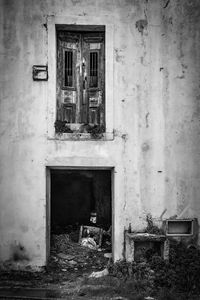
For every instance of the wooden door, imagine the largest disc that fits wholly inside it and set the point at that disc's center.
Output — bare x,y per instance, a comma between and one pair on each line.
80,78
93,78
68,76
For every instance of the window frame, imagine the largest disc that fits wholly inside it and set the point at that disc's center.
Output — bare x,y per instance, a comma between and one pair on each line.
52,66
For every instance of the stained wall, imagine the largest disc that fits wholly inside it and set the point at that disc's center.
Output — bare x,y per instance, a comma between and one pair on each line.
154,152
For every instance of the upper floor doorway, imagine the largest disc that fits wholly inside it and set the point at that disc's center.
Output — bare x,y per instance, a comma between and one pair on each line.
80,76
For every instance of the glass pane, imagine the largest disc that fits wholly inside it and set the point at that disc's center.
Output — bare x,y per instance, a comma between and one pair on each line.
68,68
93,69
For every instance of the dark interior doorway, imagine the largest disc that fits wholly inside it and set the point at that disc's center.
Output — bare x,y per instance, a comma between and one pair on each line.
75,194
80,225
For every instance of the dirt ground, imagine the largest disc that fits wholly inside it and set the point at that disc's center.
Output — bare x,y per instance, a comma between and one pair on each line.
67,275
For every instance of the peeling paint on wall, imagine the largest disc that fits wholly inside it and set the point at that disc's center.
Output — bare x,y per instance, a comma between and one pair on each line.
119,56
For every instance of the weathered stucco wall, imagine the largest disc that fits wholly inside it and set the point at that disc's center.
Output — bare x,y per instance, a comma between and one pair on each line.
156,115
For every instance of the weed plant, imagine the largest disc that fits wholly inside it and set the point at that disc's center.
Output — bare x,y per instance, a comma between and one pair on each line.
181,273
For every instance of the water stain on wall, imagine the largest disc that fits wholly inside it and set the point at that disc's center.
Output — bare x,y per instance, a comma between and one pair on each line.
19,252
119,56
141,25
145,147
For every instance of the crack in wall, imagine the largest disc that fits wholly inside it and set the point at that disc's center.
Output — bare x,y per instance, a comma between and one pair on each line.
125,137
166,4
147,119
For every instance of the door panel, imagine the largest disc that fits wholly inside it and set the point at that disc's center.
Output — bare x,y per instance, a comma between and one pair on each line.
93,51
68,76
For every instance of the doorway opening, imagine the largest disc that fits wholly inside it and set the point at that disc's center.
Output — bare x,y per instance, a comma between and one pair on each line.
80,218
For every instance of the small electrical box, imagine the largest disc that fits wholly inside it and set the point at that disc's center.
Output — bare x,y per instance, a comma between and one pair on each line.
40,73
180,227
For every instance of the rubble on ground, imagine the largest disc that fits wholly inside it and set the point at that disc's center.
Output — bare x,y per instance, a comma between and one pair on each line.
68,262
98,274
67,255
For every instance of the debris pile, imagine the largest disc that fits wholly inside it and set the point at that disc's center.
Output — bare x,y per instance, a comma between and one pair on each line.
89,242
67,255
90,237
60,242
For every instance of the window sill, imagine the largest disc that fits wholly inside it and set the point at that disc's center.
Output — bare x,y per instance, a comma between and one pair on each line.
108,136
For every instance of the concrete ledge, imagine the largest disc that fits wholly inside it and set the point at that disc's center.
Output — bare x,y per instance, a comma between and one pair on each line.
132,238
